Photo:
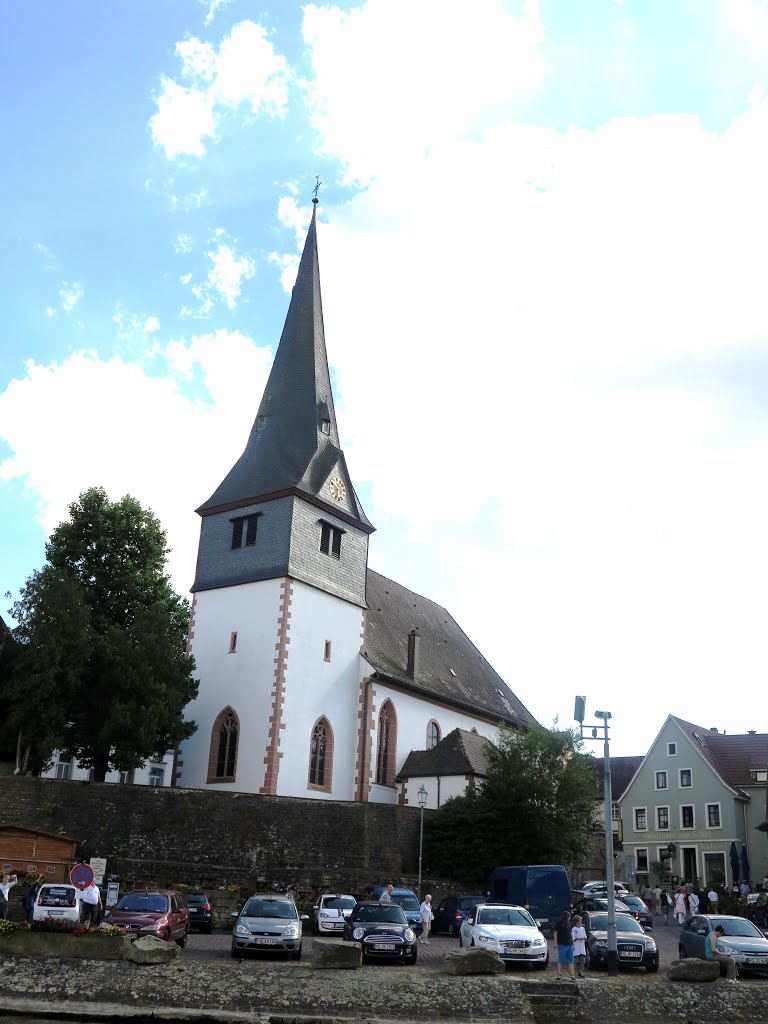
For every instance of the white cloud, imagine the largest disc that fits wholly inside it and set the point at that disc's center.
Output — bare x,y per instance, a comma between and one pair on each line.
228,273
245,71
70,295
151,325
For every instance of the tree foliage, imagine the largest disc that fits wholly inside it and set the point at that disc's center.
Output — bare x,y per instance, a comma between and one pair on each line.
536,806
100,668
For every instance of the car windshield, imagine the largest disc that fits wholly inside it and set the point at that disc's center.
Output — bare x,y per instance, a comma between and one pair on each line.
736,926
269,908
504,915
387,913
467,902
143,903
56,893
407,902
195,897
599,923
338,903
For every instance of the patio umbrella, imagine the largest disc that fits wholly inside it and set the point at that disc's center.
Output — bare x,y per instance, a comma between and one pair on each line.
734,855
744,864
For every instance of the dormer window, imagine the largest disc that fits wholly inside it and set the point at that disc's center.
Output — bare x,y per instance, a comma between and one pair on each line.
244,528
325,426
261,422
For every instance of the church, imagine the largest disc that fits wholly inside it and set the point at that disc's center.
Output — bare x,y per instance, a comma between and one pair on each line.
318,676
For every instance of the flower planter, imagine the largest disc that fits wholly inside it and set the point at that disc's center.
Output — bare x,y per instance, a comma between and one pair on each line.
53,944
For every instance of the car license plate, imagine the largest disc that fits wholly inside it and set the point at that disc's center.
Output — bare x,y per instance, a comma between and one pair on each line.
757,960
384,945
52,912
630,954
266,942
193,910
515,951
544,920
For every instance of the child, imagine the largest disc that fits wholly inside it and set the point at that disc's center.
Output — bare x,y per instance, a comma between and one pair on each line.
579,936
564,945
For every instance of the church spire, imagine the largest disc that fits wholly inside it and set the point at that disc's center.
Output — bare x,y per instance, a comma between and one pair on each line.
294,442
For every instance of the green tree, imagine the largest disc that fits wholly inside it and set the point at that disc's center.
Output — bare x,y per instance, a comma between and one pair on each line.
101,669
536,806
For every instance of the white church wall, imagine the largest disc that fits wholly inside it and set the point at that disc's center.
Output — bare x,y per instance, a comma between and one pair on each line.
315,687
413,716
242,679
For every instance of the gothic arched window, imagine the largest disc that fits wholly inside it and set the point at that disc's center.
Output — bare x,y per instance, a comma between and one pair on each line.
433,734
387,745
222,760
321,755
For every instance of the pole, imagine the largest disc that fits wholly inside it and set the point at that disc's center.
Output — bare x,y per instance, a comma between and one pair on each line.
421,845
612,958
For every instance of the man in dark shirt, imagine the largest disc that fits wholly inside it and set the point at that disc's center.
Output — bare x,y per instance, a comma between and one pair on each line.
564,944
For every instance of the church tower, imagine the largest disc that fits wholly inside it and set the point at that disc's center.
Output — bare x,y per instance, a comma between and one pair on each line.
280,585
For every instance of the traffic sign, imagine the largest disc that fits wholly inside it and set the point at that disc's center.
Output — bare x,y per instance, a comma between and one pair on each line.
81,875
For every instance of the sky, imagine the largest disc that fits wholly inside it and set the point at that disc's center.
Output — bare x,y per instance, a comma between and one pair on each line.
542,234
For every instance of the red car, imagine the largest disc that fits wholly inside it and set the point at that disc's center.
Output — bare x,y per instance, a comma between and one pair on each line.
156,912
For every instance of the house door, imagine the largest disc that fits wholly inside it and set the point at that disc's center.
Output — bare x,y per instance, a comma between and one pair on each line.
714,869
690,871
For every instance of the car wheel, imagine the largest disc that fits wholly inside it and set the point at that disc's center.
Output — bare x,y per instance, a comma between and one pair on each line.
297,954
451,930
681,953
652,968
410,960
236,955
208,929
182,941
541,967
592,963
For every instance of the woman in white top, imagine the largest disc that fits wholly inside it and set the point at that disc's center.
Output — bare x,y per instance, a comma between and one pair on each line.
6,885
426,917
681,907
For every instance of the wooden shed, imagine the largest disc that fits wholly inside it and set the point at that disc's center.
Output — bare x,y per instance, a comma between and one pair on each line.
25,850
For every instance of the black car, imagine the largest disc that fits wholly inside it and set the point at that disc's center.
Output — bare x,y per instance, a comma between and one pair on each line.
200,911
634,946
639,909
383,932
452,912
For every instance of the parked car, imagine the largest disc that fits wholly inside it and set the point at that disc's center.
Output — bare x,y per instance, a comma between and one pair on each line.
639,909
408,900
742,940
200,911
330,912
597,904
594,888
268,923
635,947
156,912
542,889
383,931
58,901
507,930
452,911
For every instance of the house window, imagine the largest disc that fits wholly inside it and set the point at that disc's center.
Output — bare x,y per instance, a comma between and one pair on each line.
222,756
330,539
641,856
661,780
327,654
126,778
233,643
157,775
321,755
64,767
244,527
261,422
641,819
671,749
686,778
433,735
686,816
761,776
615,811
662,817
713,816
385,752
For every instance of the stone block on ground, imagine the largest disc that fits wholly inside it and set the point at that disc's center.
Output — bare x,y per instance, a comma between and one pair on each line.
694,970
473,961
330,955
151,950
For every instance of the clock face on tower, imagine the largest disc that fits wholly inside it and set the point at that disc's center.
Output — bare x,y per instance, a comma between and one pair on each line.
337,488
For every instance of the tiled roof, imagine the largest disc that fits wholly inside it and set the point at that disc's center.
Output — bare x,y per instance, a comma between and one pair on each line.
734,757
622,772
450,667
459,753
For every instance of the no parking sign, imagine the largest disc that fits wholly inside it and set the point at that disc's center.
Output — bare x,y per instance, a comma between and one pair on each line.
81,875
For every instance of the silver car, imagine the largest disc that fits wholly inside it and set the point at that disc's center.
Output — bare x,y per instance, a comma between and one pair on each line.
330,912
509,931
742,940
268,922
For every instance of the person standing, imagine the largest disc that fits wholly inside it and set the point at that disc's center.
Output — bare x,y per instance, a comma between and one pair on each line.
6,885
564,945
91,900
648,898
427,917
386,896
712,953
579,936
713,898
657,900
666,905
693,902
680,906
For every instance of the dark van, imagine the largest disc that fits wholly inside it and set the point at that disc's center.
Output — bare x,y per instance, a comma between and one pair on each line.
543,889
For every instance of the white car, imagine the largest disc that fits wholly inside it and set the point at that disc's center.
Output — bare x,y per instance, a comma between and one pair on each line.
595,888
509,931
58,900
330,913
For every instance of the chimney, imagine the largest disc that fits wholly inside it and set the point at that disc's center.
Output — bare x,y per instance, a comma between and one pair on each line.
713,728
751,732
412,667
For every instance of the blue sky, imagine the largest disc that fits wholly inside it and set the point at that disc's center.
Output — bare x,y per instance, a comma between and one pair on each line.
542,253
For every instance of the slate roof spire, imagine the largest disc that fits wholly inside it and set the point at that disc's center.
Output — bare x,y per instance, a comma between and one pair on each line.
294,442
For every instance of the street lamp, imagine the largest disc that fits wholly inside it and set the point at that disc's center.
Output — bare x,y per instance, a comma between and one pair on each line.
612,957
421,795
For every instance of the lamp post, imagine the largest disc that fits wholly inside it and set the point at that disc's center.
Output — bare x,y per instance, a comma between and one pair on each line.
422,796
612,957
